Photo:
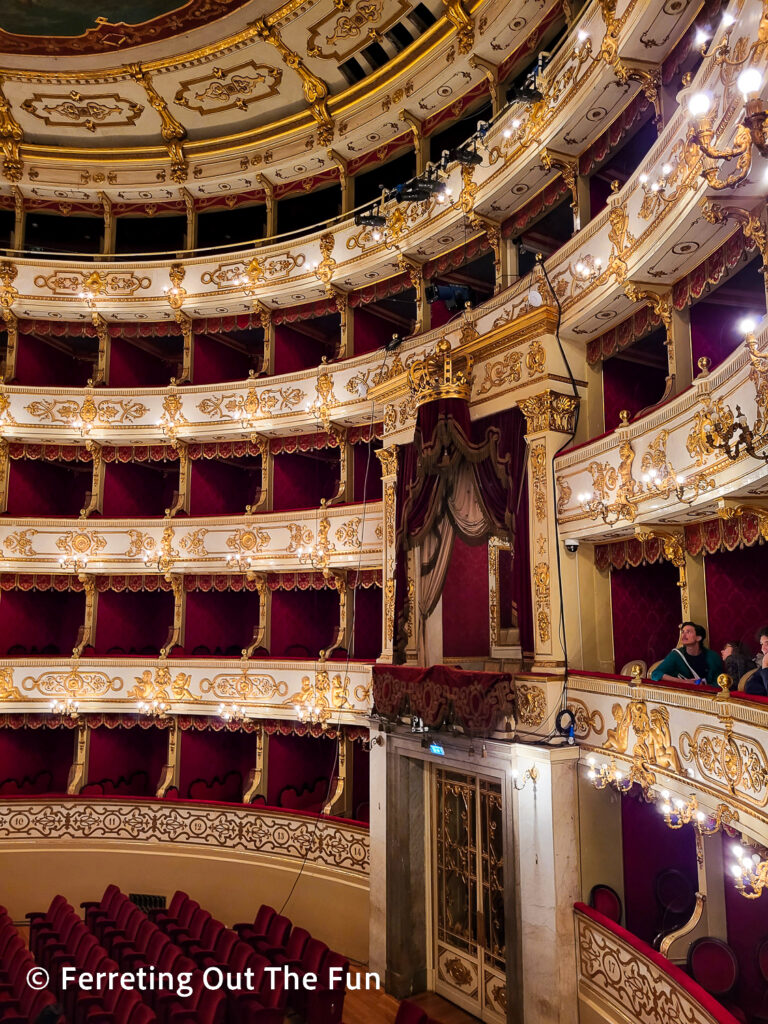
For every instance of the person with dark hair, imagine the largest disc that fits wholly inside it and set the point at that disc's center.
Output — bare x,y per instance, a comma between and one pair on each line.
691,660
737,660
757,684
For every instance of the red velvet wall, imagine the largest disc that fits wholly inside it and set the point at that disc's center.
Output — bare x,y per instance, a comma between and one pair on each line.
295,351
520,585
298,761
207,755
133,621
301,480
38,618
465,603
303,620
367,623
215,362
40,488
222,622
371,331
27,752
222,487
440,314
41,365
645,606
737,595
650,847
714,331
366,473
116,753
133,367
630,386
747,923
132,489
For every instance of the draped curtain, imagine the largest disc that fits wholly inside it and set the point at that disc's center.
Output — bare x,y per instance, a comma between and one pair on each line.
458,478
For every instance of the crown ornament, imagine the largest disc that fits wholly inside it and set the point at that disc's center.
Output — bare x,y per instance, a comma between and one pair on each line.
441,374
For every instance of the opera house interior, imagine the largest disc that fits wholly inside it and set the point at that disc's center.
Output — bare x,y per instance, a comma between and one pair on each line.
384,512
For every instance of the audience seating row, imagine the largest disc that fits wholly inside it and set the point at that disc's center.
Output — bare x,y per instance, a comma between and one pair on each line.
185,939
20,1003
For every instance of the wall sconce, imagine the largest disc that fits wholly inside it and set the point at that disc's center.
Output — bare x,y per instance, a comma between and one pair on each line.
672,482
233,713
751,132
159,561
611,512
679,812
73,563
69,708
750,873
608,775
241,563
154,708
531,774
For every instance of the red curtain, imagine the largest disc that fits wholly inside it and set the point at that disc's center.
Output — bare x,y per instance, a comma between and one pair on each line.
737,595
645,604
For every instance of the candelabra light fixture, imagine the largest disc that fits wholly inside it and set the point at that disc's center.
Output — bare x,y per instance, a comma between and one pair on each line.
233,713
609,512
750,132
154,708
520,782
678,812
750,872
69,708
73,563
602,775
677,483
159,561
658,187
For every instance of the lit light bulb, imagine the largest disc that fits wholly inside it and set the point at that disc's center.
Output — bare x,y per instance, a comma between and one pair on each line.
736,870
643,179
516,122
747,325
750,80
728,20
699,104
665,794
507,133
666,169
701,37
583,36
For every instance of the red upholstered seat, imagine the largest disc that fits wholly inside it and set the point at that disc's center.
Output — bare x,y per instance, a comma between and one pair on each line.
606,900
713,964
410,1013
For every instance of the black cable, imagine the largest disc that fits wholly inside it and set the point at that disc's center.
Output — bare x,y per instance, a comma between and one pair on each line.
568,441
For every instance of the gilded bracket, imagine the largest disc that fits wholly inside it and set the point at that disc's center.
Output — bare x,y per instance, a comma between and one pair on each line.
256,783
173,133
11,137
315,89
87,632
260,636
456,13
95,496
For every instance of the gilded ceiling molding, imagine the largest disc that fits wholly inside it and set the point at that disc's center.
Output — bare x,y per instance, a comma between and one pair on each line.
172,132
222,89
11,137
456,13
315,89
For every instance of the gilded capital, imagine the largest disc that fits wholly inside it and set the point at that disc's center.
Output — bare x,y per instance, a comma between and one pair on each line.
388,459
550,410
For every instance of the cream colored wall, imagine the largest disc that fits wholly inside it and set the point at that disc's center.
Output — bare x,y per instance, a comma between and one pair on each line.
601,851
332,906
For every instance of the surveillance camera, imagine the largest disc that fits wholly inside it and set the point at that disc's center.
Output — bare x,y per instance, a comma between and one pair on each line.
572,545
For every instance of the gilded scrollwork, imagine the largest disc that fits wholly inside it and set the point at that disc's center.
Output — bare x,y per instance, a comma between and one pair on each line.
704,434
348,534
117,283
73,109
255,540
550,410
530,704
502,371
587,720
539,478
542,594
621,238
758,376
728,759
77,683
243,685
564,494
300,537
536,358
225,88
81,542
264,402
20,543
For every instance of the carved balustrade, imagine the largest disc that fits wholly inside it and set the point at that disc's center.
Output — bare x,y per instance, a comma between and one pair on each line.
684,739
350,536
664,466
336,692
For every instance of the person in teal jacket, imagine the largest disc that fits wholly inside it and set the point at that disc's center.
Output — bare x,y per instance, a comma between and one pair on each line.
691,660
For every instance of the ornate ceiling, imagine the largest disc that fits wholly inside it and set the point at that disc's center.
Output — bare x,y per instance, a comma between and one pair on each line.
246,93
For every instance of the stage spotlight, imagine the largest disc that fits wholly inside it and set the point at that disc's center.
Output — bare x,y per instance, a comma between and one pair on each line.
455,296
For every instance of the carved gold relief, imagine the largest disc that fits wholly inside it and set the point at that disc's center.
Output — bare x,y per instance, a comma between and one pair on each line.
243,685
348,533
758,376
549,411
728,759
77,684
225,88
461,21
705,433
11,137
19,543
539,478
536,358
81,542
264,402
388,459
251,541
587,721
172,132
530,704
338,35
500,372
101,110
621,238
117,283
161,686
653,741
542,593
8,692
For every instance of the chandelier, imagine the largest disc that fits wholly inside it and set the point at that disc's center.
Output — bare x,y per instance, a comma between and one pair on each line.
233,713
602,775
678,812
